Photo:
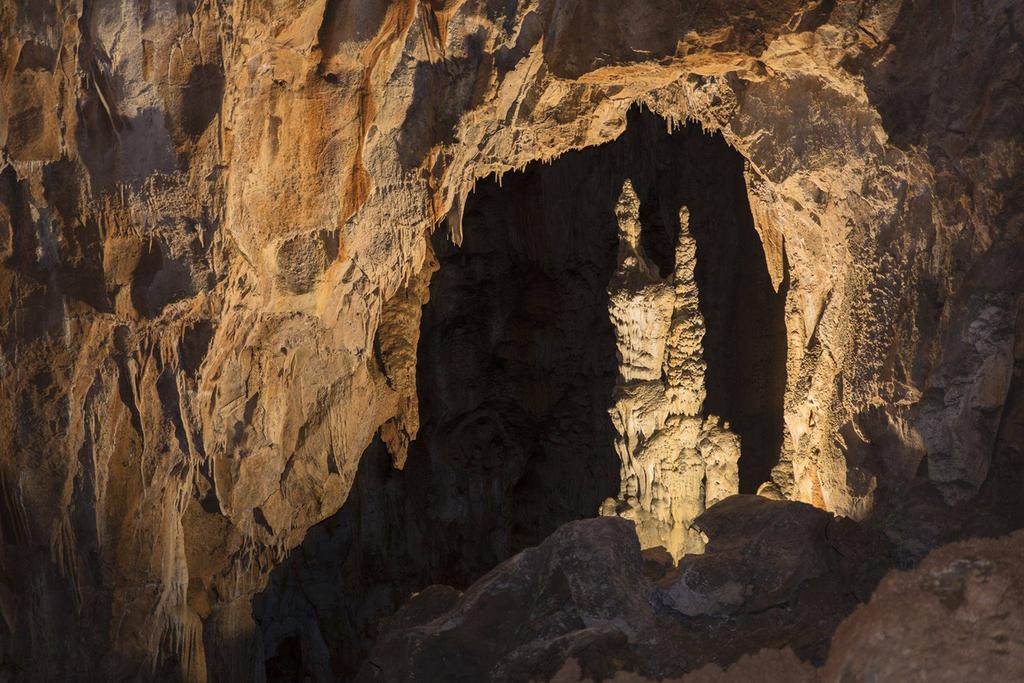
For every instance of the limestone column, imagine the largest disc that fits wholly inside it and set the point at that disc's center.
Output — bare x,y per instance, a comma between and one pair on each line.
674,462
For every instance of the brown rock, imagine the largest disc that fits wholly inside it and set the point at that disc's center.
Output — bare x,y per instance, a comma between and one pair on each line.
957,616
209,210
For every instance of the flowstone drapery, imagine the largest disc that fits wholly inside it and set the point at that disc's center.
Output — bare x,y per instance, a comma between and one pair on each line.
675,461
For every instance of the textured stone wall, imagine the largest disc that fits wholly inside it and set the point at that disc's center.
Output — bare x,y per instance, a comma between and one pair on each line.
209,210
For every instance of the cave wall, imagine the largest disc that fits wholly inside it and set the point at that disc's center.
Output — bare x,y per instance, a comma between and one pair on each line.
208,209
516,372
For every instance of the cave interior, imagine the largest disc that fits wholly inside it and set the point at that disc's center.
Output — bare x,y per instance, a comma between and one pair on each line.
516,366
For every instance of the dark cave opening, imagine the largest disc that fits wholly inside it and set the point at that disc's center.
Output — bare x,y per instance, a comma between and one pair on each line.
516,367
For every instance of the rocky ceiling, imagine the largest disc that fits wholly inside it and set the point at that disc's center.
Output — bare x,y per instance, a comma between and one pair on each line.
229,228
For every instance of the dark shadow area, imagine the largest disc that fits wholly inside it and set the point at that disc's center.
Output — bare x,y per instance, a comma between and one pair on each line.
201,96
932,50
745,343
516,367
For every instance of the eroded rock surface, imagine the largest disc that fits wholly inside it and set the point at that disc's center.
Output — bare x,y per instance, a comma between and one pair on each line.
957,616
580,608
214,237
761,552
582,589
774,573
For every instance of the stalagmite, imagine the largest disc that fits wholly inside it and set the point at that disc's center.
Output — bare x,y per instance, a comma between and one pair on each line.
640,302
675,462
228,368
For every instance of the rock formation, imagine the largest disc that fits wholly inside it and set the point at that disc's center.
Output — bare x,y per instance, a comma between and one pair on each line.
580,607
220,221
950,619
675,460
516,371
586,594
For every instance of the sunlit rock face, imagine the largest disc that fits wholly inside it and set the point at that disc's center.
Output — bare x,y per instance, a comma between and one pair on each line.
215,246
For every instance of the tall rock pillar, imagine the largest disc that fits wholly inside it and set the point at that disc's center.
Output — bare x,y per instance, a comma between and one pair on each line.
675,461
